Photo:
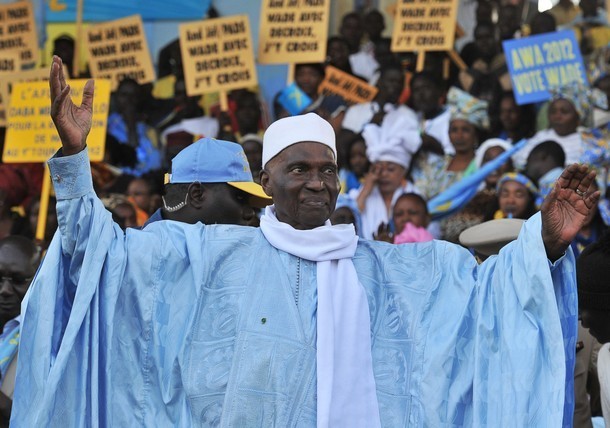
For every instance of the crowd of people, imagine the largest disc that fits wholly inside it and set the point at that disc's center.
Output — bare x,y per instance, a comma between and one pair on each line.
427,136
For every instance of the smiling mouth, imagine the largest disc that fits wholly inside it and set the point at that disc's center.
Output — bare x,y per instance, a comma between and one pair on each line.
315,203
8,306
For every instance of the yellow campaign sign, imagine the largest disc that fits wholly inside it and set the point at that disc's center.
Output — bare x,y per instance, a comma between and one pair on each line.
118,49
424,25
217,55
10,63
7,80
293,31
18,31
352,89
58,29
31,135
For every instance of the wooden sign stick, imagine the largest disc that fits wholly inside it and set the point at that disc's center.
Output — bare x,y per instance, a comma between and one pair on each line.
75,72
224,101
421,61
290,76
457,59
44,204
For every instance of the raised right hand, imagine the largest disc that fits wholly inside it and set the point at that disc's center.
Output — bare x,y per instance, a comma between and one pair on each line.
73,123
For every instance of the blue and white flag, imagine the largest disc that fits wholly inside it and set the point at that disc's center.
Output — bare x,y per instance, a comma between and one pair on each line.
293,99
459,194
108,10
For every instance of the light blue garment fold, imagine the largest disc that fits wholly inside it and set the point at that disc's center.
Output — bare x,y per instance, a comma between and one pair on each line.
8,348
192,325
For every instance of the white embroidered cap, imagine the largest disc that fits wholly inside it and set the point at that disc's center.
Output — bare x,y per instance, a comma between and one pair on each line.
297,129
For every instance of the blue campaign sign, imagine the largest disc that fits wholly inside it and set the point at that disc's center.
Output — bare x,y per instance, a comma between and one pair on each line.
108,10
538,63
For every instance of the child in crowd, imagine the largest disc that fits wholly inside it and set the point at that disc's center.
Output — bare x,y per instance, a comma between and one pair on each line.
516,196
410,216
346,212
357,164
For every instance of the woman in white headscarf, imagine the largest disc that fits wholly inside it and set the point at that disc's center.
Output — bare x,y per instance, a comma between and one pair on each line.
390,150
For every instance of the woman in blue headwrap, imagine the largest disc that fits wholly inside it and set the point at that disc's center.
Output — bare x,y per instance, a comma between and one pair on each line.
516,196
431,173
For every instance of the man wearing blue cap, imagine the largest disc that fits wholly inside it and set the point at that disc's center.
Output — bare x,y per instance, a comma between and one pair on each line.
297,323
211,182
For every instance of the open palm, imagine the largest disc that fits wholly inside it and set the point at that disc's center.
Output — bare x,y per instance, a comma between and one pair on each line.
73,122
565,209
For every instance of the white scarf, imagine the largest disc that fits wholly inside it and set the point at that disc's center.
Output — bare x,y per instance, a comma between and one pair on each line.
346,384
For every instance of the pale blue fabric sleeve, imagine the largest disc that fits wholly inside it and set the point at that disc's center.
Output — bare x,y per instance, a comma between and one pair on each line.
54,329
65,360
500,338
107,316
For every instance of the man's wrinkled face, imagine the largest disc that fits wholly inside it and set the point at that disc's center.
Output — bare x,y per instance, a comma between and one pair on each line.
16,273
303,181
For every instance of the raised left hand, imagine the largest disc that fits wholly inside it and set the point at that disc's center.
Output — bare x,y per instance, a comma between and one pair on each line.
564,209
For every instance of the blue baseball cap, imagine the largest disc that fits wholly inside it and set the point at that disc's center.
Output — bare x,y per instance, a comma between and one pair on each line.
216,161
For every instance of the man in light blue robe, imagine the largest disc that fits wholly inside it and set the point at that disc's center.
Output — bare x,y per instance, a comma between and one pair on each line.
192,325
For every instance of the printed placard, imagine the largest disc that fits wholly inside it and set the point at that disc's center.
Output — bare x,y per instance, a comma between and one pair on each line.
424,25
31,135
118,50
10,64
293,31
18,31
352,89
539,63
217,55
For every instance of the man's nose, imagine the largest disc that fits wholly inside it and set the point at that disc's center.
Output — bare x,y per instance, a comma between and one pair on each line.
5,286
315,182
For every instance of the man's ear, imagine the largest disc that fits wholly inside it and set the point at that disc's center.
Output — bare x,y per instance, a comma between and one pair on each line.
264,176
197,193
